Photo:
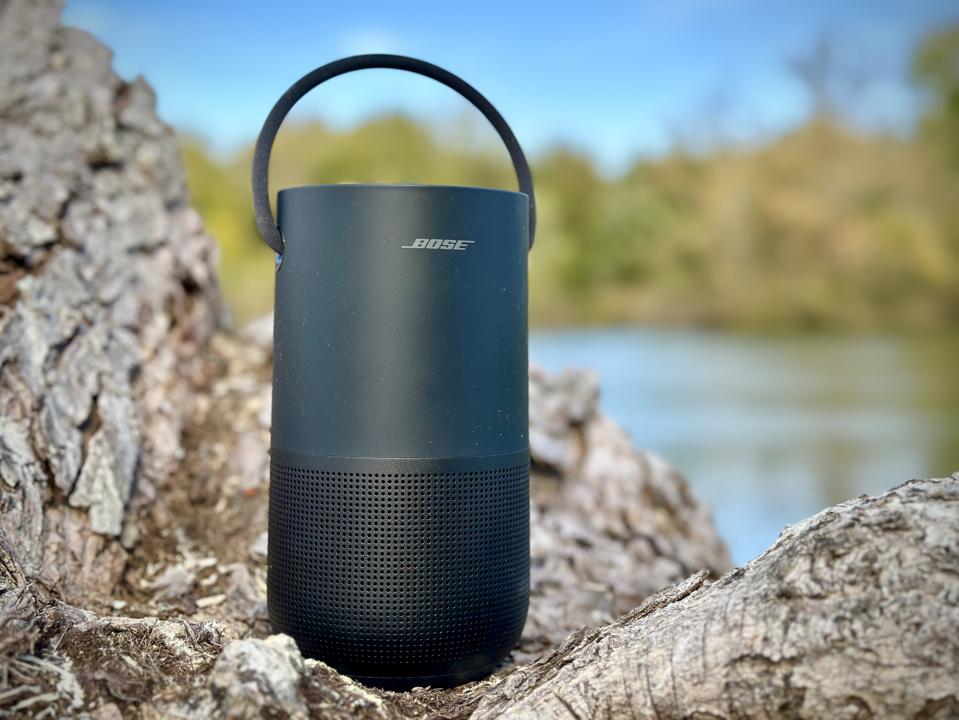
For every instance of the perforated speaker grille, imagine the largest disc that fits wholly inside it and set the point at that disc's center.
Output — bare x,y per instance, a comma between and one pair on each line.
400,574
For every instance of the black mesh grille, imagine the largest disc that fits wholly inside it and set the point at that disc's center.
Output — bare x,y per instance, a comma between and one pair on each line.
400,574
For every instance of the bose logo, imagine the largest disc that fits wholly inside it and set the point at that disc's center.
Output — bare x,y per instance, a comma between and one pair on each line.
438,244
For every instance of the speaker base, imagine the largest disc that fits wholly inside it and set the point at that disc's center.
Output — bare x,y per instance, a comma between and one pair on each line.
436,681
400,571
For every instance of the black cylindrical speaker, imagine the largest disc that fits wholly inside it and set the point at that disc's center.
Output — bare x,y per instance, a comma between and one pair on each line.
399,475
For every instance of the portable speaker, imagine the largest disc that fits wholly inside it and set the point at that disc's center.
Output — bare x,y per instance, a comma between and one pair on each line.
399,475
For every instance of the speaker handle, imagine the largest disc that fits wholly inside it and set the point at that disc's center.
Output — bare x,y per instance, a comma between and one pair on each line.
265,222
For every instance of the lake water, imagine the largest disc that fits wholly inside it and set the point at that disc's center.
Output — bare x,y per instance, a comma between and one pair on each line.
771,430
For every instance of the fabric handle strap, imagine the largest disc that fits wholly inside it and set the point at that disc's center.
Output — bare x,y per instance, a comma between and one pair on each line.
265,222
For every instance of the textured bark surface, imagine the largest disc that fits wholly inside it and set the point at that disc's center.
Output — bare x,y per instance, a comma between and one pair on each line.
108,292
852,613
133,475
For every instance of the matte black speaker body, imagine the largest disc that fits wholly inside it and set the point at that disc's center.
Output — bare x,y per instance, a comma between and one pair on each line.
399,475
399,491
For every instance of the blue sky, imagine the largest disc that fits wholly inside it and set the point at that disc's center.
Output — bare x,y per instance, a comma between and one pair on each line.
615,79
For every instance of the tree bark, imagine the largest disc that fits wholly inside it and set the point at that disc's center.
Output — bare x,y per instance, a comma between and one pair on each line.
852,613
134,439
109,291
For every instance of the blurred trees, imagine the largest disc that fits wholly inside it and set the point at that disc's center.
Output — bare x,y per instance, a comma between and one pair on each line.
936,69
825,227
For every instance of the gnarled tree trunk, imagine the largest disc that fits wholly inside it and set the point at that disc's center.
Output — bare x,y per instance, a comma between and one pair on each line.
109,292
133,472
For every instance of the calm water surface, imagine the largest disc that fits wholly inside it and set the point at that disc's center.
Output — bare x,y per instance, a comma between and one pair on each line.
770,431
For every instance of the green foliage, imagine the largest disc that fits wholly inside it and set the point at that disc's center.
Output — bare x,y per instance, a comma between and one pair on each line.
936,70
823,228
